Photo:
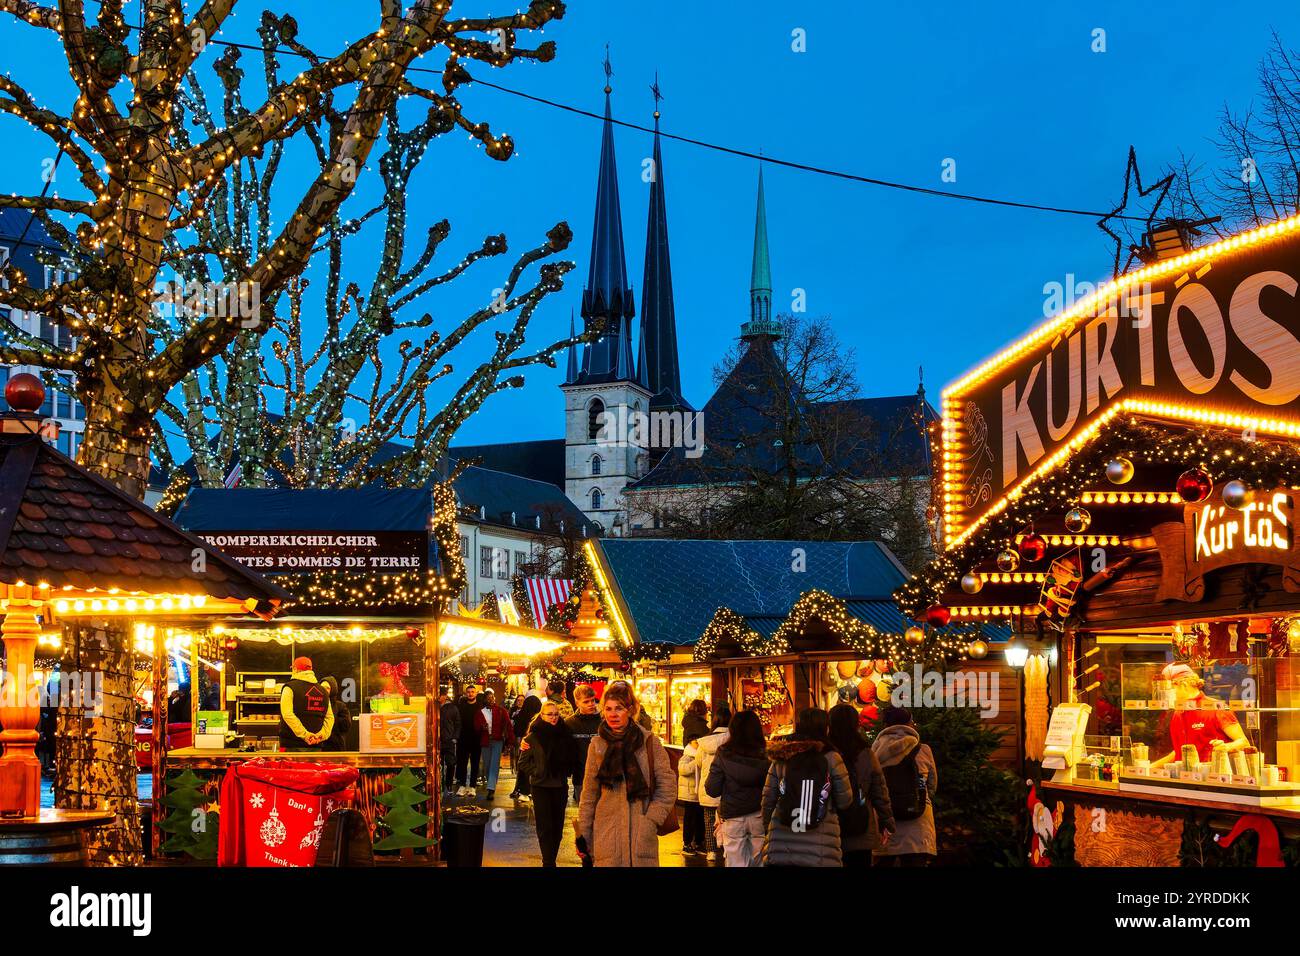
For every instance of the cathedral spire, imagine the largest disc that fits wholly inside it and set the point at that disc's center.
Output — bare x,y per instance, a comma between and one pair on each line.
607,296
761,321
659,371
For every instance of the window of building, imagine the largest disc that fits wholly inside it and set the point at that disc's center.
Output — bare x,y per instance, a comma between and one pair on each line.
521,558
502,561
595,464
484,561
464,548
595,414
596,499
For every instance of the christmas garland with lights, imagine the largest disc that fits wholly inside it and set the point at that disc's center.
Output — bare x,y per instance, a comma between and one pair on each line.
725,628
1225,455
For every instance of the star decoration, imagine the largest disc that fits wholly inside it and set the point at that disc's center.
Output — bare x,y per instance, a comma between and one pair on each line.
1133,176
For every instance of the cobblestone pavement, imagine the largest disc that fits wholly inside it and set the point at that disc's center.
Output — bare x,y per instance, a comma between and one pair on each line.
511,838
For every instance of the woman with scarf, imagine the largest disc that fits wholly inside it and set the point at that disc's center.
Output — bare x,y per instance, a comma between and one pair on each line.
629,787
547,757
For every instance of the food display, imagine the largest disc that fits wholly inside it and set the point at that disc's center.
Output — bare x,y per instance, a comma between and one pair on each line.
682,690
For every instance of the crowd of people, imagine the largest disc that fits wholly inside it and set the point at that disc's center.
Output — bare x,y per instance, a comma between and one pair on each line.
822,796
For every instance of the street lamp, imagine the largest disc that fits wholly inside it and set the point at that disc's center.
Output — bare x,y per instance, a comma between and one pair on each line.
1017,654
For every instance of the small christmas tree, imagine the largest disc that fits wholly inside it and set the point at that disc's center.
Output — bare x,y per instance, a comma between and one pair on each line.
404,795
190,828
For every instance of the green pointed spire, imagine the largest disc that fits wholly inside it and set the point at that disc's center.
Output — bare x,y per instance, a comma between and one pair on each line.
761,321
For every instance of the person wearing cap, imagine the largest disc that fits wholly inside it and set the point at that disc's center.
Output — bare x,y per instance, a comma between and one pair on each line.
1196,720
306,718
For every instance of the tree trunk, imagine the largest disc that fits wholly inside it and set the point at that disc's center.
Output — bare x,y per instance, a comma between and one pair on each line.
95,739
116,445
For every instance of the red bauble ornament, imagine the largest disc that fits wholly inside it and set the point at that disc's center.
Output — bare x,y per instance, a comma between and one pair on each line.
413,633
1194,485
24,392
1032,547
936,615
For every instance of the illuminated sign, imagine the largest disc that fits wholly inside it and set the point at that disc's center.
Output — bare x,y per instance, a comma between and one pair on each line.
1217,329
1212,536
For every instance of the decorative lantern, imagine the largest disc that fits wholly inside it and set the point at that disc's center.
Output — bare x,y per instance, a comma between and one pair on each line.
1293,635
1194,485
971,583
978,650
1008,560
1078,520
936,615
1119,471
914,636
1235,494
1032,548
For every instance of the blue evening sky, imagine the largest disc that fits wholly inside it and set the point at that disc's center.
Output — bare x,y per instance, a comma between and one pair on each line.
1014,95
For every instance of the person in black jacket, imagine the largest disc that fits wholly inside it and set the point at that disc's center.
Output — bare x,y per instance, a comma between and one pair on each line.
546,759
736,778
448,736
521,720
584,725
338,738
467,748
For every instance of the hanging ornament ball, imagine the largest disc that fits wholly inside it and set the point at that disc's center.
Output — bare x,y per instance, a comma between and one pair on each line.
1078,520
1194,485
914,636
1235,494
1008,560
413,633
1119,471
978,650
936,615
971,583
1032,548
24,392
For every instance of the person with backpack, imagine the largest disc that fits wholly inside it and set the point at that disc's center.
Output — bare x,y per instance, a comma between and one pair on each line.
868,822
735,780
521,718
807,784
912,779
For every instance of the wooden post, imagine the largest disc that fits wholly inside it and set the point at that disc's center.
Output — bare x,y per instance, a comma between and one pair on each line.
158,751
432,745
20,711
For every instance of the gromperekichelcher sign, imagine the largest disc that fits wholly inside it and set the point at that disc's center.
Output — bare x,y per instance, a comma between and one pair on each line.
282,553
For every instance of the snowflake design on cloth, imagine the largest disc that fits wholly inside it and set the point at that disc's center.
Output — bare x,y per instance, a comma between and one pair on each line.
313,836
256,800
272,830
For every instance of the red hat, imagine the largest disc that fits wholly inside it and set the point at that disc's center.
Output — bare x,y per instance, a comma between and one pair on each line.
1176,671
302,663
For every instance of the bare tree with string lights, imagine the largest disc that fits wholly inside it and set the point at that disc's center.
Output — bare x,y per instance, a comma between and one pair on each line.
150,185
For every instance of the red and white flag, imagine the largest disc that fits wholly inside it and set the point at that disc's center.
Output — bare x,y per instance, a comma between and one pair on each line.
543,593
236,473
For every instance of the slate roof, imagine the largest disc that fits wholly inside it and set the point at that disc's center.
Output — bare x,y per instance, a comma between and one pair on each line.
671,589
540,460
61,524
501,495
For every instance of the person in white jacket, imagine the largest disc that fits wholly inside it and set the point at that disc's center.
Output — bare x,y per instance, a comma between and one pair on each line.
696,761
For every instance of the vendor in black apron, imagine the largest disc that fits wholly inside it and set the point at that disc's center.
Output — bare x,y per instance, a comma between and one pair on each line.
306,718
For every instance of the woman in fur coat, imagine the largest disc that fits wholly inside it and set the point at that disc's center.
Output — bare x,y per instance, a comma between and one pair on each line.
629,787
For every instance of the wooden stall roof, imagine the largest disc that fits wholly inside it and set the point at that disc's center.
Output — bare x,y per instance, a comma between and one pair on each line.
64,526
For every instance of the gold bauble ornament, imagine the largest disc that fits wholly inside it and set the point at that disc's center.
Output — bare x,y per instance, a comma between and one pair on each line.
978,650
1008,560
914,636
1119,471
1078,520
971,583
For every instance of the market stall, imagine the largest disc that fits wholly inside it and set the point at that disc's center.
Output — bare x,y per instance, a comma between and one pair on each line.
1121,484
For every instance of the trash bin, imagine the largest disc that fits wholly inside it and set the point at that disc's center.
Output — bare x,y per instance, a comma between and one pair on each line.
463,829
273,811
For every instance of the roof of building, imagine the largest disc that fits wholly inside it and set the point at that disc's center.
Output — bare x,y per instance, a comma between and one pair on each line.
540,460
671,589
14,222
65,526
883,434
513,501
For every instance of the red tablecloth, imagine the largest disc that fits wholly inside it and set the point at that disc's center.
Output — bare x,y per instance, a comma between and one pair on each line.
272,811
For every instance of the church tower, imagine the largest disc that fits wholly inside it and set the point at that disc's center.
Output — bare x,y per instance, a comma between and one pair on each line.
606,392
762,323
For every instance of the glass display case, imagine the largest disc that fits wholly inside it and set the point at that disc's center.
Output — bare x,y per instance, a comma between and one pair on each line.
652,694
683,689
1103,760
1230,727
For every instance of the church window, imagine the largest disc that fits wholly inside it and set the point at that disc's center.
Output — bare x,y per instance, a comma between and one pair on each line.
595,416
596,499
595,464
